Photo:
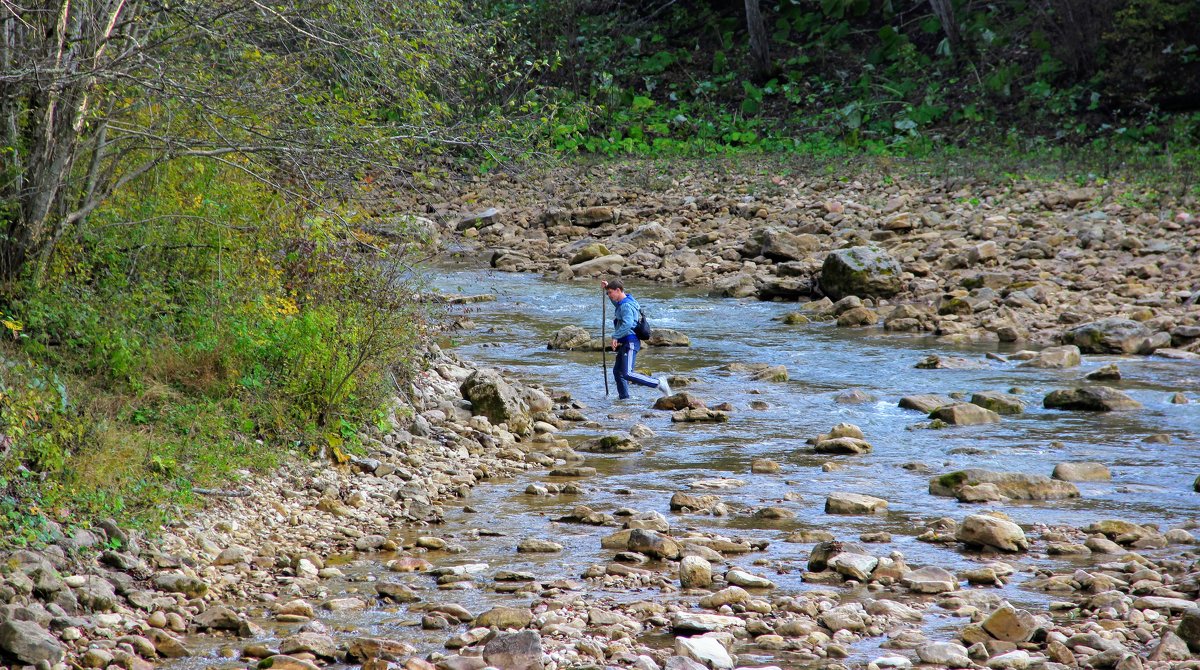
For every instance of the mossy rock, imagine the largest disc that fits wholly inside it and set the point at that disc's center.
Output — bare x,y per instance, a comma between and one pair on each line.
862,271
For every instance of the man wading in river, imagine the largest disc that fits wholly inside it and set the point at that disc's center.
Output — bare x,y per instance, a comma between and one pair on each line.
626,343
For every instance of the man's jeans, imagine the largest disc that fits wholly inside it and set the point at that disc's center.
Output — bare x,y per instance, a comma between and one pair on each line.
623,369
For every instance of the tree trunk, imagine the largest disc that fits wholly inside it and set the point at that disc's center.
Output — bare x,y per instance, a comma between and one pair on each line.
760,49
944,10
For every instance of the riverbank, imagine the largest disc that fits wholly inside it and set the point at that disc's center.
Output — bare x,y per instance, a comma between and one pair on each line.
962,257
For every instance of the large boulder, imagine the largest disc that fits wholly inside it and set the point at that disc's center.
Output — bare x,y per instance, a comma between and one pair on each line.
985,530
860,271
998,402
604,265
1015,485
1091,399
494,398
780,245
515,651
573,338
29,643
1109,336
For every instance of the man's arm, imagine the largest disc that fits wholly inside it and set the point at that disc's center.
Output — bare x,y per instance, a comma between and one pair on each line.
626,318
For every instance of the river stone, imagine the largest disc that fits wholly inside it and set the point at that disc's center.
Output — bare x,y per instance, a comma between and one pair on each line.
1173,605
740,285
1010,624
860,271
853,397
572,338
929,579
781,245
819,556
504,617
707,651
317,644
680,663
667,337
1066,356
926,402
700,622
1013,660
589,252
853,503
285,662
1000,403
652,544
1189,629
175,582
494,398
365,648
29,643
849,617
843,445
1170,647
1015,485
217,617
695,572
965,414
611,264
730,595
990,531
1082,472
774,373
536,545
682,500
946,654
854,566
515,651
701,415
610,444
96,594
739,577
1094,399
166,645
1107,373
1109,336
677,401
977,493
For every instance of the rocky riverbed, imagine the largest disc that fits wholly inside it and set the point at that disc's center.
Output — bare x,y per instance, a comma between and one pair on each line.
370,563
1021,261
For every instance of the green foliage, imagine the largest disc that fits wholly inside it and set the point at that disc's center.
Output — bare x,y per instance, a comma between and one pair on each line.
199,326
853,76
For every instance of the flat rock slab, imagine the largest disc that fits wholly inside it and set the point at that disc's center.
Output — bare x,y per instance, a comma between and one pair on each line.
1082,472
1091,399
854,503
1015,485
926,402
1000,403
699,415
699,622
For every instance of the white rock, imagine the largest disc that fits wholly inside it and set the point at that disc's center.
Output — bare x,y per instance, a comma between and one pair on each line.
704,650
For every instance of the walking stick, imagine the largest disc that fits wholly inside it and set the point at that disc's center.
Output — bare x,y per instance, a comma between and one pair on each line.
603,337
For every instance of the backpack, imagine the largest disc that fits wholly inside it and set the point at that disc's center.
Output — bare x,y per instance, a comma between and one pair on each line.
642,329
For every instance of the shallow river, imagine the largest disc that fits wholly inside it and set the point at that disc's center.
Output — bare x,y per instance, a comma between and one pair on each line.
1152,482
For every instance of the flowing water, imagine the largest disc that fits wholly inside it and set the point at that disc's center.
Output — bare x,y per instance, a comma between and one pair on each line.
1152,482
